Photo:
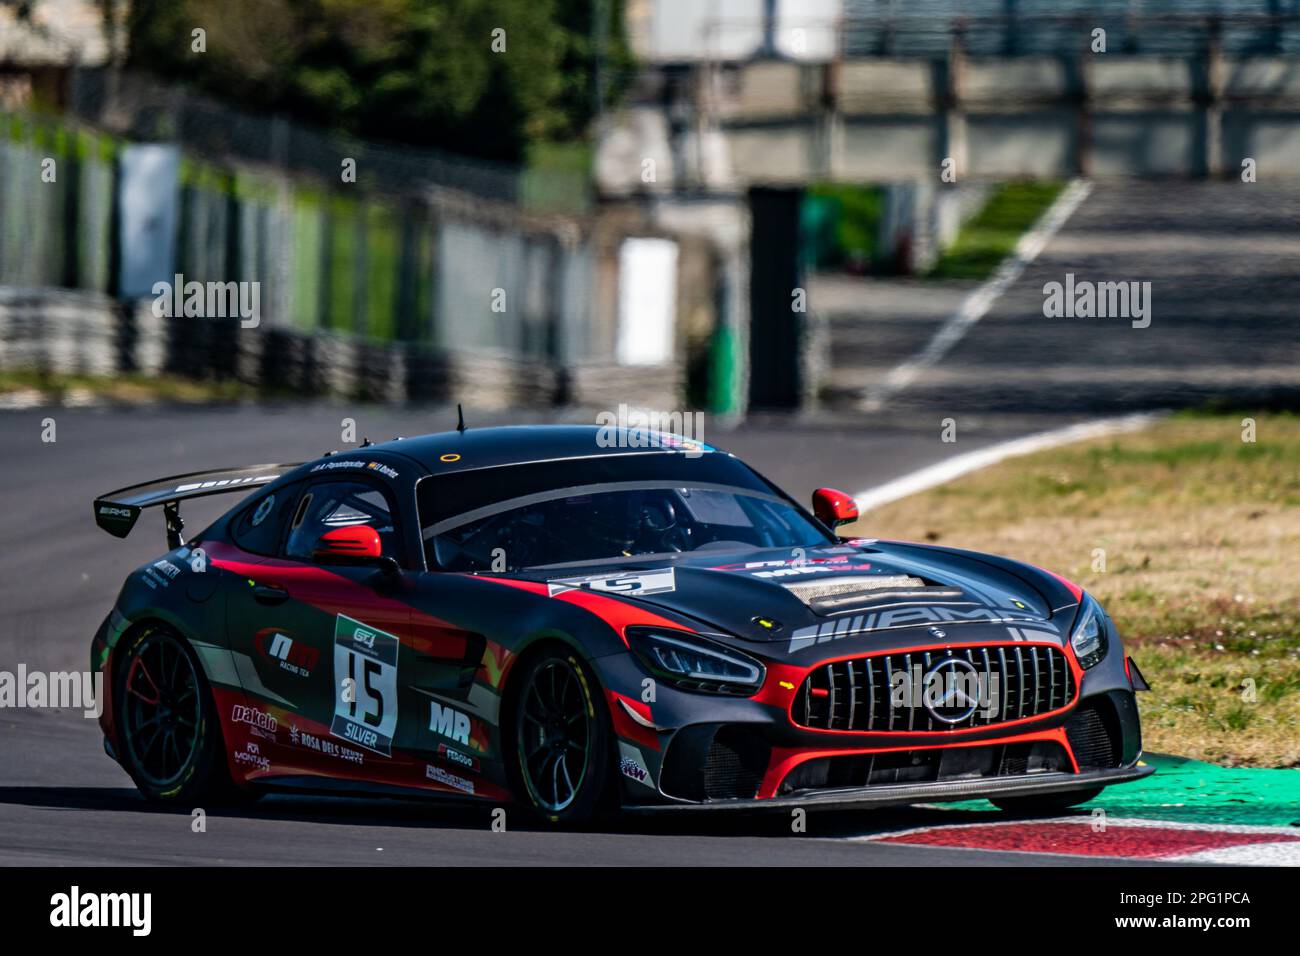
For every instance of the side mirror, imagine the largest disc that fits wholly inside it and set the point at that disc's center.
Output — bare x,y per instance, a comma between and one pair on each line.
834,508
356,544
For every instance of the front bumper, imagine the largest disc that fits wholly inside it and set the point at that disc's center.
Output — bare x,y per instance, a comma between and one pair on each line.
936,792
688,749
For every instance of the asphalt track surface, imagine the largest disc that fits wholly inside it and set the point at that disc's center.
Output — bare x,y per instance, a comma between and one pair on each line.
63,802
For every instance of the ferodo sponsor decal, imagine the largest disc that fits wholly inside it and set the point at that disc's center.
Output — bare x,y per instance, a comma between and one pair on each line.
636,584
448,779
365,682
289,655
263,724
908,616
455,756
632,765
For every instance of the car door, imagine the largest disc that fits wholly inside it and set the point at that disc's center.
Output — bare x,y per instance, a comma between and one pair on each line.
320,645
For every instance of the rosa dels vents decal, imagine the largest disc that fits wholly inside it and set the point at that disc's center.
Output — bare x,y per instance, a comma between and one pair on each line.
635,583
907,616
365,682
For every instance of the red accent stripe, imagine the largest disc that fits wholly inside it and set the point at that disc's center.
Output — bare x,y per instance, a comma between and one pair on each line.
1070,585
625,726
785,759
616,613
1079,839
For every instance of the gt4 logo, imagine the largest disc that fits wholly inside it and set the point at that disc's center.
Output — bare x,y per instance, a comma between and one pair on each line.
364,637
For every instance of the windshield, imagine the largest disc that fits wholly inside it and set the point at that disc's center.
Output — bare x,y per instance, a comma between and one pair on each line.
584,521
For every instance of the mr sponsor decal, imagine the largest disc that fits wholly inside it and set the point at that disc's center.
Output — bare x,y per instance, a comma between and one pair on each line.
909,616
636,584
449,722
365,682
289,655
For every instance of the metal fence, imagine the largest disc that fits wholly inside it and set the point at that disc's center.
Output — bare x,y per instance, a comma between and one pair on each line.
428,266
1063,27
426,287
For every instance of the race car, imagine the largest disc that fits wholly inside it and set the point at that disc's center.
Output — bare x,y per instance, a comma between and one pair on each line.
580,619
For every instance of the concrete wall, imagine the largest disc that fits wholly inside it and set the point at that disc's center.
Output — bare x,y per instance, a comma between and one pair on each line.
785,123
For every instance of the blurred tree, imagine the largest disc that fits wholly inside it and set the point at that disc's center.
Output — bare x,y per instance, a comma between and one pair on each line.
417,71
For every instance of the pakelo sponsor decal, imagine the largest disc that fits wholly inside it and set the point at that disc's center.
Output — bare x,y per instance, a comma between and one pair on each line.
636,584
632,765
448,779
289,655
263,724
365,660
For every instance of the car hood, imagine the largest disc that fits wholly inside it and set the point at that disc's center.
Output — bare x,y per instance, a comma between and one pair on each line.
804,597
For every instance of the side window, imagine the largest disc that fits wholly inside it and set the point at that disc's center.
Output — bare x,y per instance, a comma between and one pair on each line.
339,504
257,529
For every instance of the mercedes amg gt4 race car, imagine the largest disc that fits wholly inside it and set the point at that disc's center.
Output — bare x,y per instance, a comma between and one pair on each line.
531,614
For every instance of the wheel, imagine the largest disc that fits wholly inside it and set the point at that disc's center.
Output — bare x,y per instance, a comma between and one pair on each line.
1044,802
562,740
171,738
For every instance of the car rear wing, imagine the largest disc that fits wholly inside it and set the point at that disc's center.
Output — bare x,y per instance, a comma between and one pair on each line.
116,512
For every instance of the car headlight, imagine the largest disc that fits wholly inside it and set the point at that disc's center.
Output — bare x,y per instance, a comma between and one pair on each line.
1089,637
693,663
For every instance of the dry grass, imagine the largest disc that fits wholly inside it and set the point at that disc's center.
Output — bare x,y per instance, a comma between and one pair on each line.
1201,540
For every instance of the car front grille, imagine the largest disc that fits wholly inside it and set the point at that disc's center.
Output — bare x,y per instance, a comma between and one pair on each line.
890,692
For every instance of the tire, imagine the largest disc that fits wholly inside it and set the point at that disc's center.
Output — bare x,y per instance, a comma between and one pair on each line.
1044,803
171,738
559,720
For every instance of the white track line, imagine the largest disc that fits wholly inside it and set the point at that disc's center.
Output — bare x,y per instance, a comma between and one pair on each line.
976,305
945,471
